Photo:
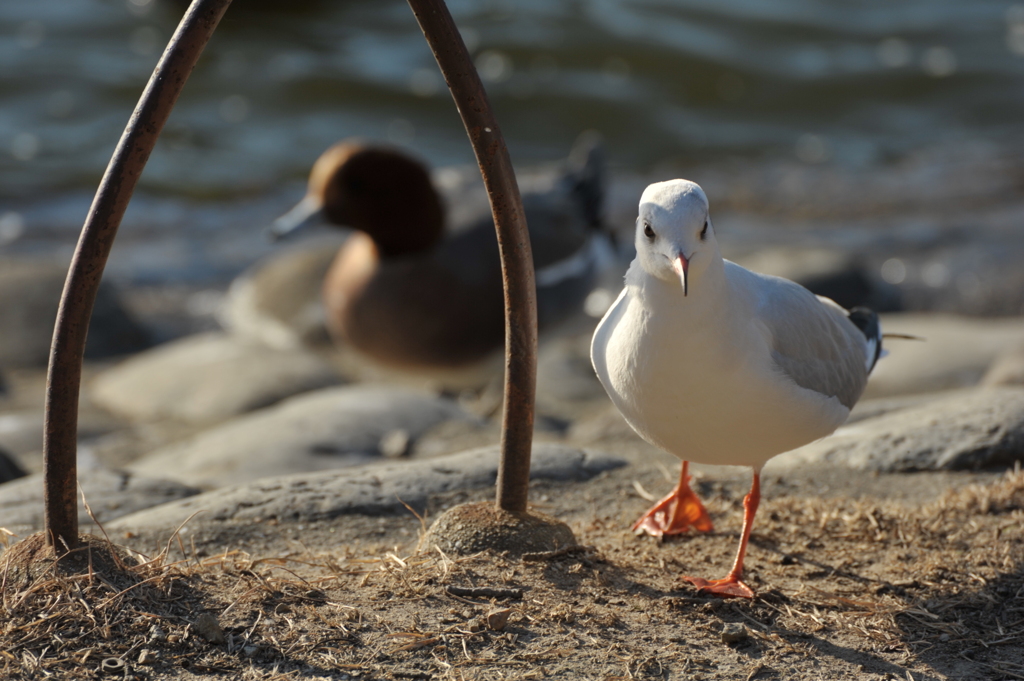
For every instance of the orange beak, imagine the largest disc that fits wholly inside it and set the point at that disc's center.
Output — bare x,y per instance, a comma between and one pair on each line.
682,265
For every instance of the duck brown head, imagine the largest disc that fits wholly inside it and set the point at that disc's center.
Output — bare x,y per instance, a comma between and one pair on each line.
377,190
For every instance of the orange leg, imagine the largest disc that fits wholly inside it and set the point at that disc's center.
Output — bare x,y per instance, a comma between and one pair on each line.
731,585
676,513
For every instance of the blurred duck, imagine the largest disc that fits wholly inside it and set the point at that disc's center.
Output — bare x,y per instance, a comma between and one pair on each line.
417,286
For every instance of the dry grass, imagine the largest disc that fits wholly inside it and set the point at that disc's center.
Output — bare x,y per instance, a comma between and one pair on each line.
847,589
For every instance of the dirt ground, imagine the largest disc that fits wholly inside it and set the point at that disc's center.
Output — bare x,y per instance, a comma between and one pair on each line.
858,577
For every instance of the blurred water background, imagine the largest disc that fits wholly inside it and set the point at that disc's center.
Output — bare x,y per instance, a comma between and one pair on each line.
800,116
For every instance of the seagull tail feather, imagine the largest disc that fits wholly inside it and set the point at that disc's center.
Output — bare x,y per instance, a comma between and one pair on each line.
867,321
904,336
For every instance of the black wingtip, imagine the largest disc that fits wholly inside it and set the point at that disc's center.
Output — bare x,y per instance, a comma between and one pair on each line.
866,320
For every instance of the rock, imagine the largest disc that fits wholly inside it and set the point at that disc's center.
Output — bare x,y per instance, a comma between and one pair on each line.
454,436
370,490
29,294
330,428
879,406
564,372
956,352
608,425
208,378
111,494
9,468
983,428
277,301
608,430
209,628
733,632
1007,369
21,433
498,618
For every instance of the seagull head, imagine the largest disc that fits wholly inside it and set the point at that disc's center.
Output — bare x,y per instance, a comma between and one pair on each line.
674,237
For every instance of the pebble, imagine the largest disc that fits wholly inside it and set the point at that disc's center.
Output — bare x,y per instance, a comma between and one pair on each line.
209,628
733,632
498,618
320,430
147,656
208,378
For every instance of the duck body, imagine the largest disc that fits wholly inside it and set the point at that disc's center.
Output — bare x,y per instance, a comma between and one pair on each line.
720,365
384,310
412,291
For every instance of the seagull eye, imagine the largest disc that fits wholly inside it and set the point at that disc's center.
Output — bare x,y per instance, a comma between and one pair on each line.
704,232
648,232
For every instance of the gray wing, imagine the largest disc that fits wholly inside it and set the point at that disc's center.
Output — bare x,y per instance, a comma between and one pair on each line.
813,342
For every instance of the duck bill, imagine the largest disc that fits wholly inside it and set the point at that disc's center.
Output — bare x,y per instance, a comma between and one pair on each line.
682,267
306,213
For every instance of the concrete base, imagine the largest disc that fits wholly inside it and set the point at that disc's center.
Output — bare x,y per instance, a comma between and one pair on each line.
470,528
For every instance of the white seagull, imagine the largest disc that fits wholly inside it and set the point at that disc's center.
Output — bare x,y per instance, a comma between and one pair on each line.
721,365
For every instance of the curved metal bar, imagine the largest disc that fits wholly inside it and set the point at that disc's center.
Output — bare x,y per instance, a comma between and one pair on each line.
513,240
65,369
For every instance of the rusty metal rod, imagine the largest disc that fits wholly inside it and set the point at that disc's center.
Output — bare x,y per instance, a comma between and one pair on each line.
513,240
60,430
